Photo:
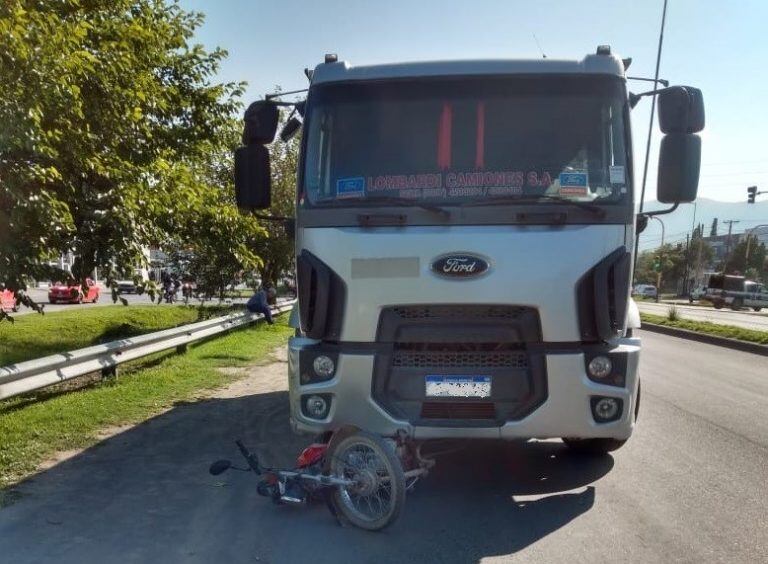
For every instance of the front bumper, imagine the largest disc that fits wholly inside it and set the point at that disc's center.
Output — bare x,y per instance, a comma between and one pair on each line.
566,412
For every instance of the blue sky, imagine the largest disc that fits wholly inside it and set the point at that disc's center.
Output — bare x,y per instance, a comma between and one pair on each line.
714,45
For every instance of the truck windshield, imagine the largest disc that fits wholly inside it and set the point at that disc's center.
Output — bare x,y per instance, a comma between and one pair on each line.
452,142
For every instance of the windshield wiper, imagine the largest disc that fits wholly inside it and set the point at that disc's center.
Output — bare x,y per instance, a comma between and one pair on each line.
592,208
391,200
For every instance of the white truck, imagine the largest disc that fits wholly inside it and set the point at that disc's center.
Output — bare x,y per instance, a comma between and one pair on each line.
735,292
464,235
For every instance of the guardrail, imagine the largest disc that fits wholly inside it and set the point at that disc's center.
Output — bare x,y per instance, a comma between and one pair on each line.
34,374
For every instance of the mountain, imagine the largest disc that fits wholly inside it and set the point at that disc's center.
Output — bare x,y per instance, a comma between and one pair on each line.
680,222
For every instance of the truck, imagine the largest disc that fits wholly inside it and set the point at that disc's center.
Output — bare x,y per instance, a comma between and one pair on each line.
464,236
735,292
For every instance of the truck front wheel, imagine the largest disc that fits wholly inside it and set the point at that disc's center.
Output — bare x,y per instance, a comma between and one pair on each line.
593,446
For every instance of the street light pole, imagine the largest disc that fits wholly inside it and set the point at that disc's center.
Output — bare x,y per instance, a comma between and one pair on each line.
661,263
657,218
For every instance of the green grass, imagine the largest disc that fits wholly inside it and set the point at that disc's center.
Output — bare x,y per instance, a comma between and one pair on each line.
33,335
34,428
709,328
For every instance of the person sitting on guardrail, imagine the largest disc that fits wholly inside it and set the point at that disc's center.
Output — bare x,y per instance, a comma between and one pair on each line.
259,303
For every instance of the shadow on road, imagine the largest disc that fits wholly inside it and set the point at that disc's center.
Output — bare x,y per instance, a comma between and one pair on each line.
145,496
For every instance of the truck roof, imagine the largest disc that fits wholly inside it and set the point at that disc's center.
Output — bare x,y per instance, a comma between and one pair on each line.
343,71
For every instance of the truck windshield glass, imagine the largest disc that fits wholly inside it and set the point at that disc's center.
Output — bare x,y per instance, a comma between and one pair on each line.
457,141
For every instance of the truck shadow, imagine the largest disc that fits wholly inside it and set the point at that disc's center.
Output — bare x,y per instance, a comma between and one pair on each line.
145,495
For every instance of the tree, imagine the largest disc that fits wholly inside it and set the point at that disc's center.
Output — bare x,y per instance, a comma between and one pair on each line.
107,112
668,260
210,241
741,262
277,249
713,231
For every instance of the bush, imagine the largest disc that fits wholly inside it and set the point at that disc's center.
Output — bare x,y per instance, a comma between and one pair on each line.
672,313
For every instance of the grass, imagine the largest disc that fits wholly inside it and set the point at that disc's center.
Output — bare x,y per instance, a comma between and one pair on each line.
708,328
34,428
673,314
33,336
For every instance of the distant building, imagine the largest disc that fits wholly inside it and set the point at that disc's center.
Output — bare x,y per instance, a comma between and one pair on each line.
719,244
761,232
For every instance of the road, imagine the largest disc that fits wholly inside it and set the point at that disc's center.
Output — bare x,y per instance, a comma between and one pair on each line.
745,319
690,486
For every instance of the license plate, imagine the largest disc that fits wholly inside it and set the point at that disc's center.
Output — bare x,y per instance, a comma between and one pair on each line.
458,386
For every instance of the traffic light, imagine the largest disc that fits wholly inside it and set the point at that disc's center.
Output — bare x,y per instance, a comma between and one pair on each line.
751,193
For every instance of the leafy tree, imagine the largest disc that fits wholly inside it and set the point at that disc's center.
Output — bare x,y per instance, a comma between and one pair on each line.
210,241
107,112
671,260
277,249
740,262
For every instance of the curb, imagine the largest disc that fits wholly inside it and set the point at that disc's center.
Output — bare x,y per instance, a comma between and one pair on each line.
735,344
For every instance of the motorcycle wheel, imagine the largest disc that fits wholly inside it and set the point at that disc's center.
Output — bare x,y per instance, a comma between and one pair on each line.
378,496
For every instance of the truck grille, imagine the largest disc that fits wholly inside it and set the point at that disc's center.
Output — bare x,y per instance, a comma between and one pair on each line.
458,410
459,311
459,359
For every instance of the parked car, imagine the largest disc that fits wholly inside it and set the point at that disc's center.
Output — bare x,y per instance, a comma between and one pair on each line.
126,286
697,293
8,301
73,293
644,291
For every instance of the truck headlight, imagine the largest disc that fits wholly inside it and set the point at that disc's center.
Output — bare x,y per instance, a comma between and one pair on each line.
600,367
605,409
317,406
323,366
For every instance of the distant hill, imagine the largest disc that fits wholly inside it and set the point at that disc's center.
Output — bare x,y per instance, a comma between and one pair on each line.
680,222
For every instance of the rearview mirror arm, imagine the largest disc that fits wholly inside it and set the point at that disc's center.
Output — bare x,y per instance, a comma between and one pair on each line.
659,212
635,98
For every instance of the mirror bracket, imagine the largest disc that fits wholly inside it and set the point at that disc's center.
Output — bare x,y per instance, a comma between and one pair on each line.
659,212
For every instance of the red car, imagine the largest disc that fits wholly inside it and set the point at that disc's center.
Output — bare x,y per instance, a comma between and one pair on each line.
8,301
73,293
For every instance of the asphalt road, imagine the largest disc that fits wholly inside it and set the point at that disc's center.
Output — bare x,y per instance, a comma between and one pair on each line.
690,486
746,319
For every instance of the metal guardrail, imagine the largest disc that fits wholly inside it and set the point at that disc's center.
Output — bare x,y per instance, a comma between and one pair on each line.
41,372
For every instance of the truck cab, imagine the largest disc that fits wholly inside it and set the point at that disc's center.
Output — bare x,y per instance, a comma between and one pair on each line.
464,237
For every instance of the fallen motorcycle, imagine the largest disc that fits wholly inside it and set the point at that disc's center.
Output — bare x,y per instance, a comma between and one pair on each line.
360,476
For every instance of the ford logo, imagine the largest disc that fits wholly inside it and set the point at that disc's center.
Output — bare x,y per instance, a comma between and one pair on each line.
460,265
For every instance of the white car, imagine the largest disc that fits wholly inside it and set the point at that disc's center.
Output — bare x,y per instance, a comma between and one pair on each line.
645,291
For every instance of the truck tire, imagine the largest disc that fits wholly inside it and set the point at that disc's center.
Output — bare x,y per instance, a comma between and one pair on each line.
593,446
718,304
757,308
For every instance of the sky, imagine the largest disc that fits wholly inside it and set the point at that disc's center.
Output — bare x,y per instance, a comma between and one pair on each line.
716,46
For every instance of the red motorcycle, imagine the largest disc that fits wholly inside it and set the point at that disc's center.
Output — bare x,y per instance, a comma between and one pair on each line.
360,476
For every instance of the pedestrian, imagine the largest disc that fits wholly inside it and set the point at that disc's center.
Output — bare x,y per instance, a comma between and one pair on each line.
259,303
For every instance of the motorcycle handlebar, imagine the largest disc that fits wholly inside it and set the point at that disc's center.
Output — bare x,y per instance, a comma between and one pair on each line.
251,459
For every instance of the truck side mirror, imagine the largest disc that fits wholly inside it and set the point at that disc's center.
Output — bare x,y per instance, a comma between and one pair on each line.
681,110
260,123
253,177
681,116
679,163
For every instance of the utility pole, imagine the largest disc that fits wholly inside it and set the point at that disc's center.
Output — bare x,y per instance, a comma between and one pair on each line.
698,254
688,251
730,223
650,127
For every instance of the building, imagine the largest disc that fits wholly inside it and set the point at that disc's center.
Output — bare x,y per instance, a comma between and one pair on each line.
759,231
720,244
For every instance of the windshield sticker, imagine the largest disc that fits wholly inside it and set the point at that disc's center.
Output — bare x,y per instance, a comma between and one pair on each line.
616,174
573,183
350,187
459,184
